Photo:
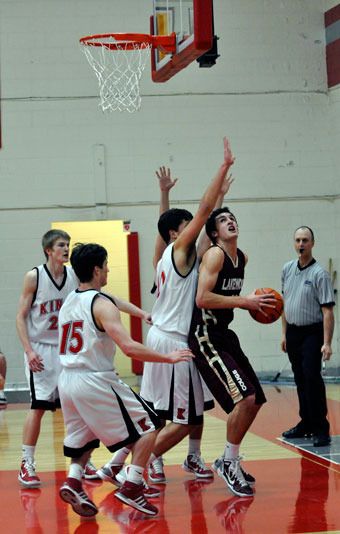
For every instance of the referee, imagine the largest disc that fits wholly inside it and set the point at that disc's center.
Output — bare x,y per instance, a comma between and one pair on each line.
307,331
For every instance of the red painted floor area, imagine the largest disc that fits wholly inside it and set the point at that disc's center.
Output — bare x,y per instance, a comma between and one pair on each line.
292,496
297,495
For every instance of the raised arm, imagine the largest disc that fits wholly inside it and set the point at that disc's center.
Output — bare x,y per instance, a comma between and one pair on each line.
184,246
107,317
166,183
25,302
204,241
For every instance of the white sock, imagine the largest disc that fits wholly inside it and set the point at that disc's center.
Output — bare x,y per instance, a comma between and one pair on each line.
134,473
75,471
28,452
194,446
120,456
231,451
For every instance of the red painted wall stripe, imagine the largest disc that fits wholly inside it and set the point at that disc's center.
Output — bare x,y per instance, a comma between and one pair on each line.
332,15
135,294
333,49
333,63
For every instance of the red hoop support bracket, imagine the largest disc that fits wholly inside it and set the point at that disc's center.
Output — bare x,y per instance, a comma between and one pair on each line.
166,43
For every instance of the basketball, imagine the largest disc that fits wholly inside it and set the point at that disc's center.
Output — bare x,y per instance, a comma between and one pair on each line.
273,314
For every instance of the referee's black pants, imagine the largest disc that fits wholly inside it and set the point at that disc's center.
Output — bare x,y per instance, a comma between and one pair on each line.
303,345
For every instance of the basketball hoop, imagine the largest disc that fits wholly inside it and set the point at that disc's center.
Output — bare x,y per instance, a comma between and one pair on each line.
118,60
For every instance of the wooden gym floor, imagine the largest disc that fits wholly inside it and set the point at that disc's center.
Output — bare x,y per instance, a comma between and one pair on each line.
297,489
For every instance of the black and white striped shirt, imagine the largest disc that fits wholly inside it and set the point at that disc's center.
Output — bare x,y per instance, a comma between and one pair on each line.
305,290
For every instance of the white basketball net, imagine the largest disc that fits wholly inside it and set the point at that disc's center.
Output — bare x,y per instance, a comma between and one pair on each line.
118,72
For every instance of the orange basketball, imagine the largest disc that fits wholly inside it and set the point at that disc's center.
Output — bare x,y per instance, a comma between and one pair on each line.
273,314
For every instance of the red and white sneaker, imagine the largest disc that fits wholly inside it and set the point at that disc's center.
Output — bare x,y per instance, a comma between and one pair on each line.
133,495
90,472
156,472
108,473
149,491
72,492
195,464
27,475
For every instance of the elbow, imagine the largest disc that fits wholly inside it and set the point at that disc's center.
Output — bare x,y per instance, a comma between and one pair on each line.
200,301
128,349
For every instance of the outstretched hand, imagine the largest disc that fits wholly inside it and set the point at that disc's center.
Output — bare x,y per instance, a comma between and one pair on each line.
228,156
165,181
226,184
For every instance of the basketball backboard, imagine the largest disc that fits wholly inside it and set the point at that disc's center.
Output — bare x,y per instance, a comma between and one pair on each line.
192,21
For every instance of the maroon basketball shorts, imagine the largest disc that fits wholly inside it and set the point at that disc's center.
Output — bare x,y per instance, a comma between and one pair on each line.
224,367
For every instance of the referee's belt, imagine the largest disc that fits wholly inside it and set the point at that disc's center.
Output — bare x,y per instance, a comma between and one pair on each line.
311,326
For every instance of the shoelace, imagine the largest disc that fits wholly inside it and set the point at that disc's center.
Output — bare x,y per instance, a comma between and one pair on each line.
237,471
30,468
158,465
239,458
90,465
198,460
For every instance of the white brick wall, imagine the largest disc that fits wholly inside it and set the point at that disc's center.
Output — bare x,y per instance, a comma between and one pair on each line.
268,92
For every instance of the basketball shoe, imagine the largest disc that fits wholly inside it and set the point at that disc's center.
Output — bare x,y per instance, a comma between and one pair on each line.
72,492
195,464
90,472
27,475
108,473
149,491
133,495
247,476
156,472
230,471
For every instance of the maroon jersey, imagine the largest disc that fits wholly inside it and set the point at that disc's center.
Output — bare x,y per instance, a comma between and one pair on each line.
218,355
229,283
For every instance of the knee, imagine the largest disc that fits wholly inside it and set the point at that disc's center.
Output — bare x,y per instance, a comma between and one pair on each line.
249,403
151,435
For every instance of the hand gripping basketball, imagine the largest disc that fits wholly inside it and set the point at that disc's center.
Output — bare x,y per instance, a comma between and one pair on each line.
269,314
